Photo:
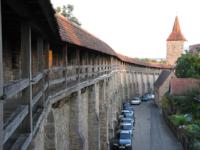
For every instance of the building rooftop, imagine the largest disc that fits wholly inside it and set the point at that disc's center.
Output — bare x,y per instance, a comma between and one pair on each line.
176,34
162,78
73,34
179,86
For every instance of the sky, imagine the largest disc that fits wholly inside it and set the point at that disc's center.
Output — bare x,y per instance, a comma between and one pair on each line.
137,28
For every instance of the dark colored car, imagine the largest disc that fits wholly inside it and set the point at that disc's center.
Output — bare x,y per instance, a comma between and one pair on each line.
124,141
126,114
127,127
148,96
128,120
128,108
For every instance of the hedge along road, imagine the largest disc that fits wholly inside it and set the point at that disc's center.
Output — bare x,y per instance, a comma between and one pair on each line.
151,131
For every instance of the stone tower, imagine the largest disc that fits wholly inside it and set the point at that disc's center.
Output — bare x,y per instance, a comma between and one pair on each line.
175,43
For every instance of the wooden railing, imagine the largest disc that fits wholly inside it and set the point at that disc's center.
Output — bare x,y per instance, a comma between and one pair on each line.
45,85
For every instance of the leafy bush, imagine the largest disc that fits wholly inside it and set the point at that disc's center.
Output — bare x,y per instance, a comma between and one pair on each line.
188,65
165,102
185,104
178,120
193,130
197,122
196,146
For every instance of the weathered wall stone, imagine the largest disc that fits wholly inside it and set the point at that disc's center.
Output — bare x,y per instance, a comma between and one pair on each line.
38,141
83,117
103,116
76,142
93,118
88,117
174,51
62,121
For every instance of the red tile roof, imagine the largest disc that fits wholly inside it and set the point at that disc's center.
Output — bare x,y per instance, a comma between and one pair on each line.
179,86
75,35
142,63
176,34
193,48
165,74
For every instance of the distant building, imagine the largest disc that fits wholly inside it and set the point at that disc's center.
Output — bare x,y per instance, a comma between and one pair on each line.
180,86
161,85
175,43
193,48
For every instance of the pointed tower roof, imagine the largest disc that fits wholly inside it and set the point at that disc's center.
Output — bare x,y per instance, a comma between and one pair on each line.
176,34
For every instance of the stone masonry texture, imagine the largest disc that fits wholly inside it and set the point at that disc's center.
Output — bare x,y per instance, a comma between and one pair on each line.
86,119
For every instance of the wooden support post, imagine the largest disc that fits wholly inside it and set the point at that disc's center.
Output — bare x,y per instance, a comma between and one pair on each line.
1,84
40,54
1,57
46,66
78,64
97,68
40,49
65,63
26,73
46,55
87,64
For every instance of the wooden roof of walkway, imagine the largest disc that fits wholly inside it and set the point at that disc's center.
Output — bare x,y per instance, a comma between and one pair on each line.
73,34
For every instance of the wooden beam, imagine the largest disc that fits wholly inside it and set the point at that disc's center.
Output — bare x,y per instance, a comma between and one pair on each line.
78,63
13,89
56,81
1,84
37,78
37,97
66,63
41,62
14,121
26,66
40,54
20,140
37,119
1,56
46,54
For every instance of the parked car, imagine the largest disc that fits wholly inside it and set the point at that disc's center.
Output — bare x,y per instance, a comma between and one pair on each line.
126,104
126,113
126,126
128,120
124,141
129,107
148,96
136,101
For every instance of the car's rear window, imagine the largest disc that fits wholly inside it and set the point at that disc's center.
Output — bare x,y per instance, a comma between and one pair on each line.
124,136
126,127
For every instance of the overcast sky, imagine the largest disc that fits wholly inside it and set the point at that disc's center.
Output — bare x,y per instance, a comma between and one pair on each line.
137,28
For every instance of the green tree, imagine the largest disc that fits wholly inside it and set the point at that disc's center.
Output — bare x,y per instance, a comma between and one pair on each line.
188,65
67,11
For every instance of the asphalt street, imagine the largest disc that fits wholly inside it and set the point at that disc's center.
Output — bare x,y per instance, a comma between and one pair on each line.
151,131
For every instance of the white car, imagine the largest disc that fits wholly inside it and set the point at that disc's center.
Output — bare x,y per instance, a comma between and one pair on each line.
136,101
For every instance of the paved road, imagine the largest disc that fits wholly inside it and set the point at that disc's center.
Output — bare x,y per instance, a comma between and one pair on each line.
151,132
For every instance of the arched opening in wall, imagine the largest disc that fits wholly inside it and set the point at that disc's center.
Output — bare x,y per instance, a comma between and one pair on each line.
49,133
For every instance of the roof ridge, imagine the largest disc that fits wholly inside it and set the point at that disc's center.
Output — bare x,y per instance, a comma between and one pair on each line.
83,38
74,25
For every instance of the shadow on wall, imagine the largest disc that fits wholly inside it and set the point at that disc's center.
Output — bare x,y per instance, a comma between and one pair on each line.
49,132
